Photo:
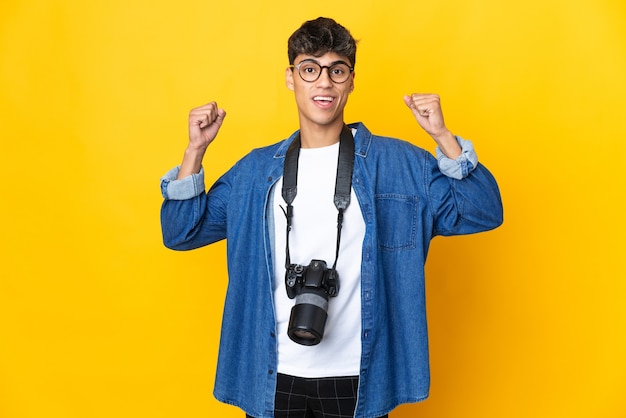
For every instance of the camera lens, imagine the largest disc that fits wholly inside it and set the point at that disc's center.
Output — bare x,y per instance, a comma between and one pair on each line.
308,317
303,334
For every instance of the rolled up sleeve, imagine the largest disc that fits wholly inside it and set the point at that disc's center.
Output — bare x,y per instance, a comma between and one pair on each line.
183,189
463,165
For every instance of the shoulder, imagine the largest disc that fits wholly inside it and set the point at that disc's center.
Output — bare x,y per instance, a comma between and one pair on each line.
266,154
377,146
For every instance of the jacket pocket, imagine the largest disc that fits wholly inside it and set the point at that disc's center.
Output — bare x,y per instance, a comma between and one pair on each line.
396,216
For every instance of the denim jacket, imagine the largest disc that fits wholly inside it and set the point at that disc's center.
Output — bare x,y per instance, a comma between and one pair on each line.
405,200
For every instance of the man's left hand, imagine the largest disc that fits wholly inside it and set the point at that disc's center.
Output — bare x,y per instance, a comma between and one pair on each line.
427,111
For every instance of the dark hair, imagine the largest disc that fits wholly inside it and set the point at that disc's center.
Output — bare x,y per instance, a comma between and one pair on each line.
319,36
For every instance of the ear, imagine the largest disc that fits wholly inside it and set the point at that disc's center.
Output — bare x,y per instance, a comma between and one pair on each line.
289,78
352,82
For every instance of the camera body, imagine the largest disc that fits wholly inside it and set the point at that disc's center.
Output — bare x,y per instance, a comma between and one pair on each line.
311,286
314,276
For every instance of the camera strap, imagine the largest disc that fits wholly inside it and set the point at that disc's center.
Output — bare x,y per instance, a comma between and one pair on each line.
343,183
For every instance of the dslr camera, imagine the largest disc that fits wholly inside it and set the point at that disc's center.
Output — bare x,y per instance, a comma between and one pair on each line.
311,286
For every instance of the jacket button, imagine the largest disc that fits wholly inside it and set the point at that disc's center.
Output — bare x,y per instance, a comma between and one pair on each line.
270,372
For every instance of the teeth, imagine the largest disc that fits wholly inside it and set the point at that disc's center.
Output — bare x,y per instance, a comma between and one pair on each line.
322,98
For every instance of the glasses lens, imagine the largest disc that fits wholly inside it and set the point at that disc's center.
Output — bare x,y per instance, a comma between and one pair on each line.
339,73
311,71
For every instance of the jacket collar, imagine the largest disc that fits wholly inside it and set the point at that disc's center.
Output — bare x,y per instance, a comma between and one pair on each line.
362,141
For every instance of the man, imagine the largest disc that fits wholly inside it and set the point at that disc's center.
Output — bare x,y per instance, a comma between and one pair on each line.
327,235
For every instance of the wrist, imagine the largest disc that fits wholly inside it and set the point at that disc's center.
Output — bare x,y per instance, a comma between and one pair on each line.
443,136
193,149
448,144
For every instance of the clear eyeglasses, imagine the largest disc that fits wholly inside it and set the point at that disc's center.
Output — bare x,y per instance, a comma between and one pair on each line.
310,71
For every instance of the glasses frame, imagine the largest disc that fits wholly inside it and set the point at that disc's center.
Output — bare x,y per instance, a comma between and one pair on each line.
328,67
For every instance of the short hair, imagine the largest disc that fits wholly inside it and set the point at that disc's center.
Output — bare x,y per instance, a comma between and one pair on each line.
320,36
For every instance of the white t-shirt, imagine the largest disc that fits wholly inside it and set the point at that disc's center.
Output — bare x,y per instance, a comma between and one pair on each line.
314,236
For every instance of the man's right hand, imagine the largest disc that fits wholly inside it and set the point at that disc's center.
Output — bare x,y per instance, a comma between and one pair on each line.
204,124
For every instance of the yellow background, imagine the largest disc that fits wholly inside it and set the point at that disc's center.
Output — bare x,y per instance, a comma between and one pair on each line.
98,319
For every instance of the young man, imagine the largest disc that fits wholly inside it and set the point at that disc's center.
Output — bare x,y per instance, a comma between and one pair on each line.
327,235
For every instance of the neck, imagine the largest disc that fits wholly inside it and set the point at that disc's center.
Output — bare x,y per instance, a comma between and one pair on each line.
316,136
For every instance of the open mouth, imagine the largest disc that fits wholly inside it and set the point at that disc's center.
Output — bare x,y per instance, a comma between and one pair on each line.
323,101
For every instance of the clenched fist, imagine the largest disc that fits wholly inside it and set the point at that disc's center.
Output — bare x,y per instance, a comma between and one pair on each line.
427,111
204,123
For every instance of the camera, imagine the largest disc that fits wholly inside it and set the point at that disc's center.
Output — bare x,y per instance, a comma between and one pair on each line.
311,286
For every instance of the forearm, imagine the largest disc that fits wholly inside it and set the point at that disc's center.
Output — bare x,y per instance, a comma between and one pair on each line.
192,162
448,144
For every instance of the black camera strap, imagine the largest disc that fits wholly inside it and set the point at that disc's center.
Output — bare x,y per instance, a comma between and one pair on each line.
343,183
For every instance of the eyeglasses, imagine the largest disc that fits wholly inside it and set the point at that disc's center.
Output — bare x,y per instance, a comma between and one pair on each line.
310,71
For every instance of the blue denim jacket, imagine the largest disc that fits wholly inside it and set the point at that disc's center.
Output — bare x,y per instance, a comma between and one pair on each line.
405,200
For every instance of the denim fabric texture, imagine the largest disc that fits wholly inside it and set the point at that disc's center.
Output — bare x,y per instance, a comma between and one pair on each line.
405,200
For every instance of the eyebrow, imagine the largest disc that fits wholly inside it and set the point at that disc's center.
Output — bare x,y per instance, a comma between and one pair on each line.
329,65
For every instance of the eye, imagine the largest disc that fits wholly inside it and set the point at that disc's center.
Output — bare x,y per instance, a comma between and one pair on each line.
339,70
309,68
